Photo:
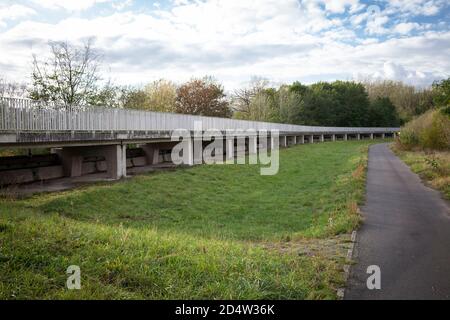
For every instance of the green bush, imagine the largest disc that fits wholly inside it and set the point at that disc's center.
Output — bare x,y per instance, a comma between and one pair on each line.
429,131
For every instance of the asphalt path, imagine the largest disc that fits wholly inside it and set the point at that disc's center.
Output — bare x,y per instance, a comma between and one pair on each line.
406,233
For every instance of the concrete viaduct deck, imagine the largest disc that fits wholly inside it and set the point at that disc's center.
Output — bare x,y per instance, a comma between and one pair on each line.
93,139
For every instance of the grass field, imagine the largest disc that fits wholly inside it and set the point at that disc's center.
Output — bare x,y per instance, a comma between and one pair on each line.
216,231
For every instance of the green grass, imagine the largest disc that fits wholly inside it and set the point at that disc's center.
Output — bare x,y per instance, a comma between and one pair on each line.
190,234
431,166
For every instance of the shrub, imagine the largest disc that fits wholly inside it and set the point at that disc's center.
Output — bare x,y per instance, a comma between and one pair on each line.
429,131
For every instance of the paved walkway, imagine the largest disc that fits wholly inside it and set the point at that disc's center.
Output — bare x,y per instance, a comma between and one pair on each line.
406,232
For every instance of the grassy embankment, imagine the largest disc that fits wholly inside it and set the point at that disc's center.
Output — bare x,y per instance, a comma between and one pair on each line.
424,145
432,166
218,231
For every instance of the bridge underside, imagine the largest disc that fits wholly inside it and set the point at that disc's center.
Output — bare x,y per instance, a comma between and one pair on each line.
76,154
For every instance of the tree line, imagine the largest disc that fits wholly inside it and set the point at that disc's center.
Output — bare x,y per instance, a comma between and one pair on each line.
71,76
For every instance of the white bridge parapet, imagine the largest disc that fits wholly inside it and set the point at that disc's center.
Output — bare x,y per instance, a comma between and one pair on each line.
24,115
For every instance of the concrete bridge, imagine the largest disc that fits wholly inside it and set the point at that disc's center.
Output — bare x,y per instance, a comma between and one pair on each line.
92,139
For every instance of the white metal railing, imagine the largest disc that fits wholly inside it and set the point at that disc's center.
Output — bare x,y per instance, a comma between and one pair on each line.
28,115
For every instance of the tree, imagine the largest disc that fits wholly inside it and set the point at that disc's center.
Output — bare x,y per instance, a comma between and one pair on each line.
12,89
408,100
135,99
242,98
340,103
161,96
109,95
69,77
441,93
202,97
382,113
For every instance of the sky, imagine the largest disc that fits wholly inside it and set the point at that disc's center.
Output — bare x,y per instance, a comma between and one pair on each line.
236,40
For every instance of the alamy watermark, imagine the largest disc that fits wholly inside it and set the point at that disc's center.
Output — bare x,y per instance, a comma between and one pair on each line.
374,280
74,280
227,147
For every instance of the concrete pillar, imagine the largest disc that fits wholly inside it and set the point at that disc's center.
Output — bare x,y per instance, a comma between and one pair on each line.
302,139
371,136
230,149
273,142
358,136
322,138
333,137
345,137
198,149
263,142
190,157
295,140
151,151
283,141
253,144
383,136
116,161
115,158
72,161
311,138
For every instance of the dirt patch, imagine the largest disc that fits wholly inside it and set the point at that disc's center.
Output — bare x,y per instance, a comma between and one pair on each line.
335,247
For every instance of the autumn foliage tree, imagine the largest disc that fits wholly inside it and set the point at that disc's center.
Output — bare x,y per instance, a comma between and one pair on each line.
202,97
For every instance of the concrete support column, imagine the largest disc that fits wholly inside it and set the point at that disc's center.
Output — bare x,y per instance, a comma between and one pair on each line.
116,161
72,161
383,136
190,156
322,138
333,137
253,144
283,141
311,138
198,149
151,151
230,149
263,143
358,136
371,136
302,139
115,158
295,140
345,137
275,143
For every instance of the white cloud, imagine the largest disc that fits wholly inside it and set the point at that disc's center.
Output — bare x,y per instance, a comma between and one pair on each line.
236,39
406,27
122,4
376,24
416,7
339,6
14,12
70,5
